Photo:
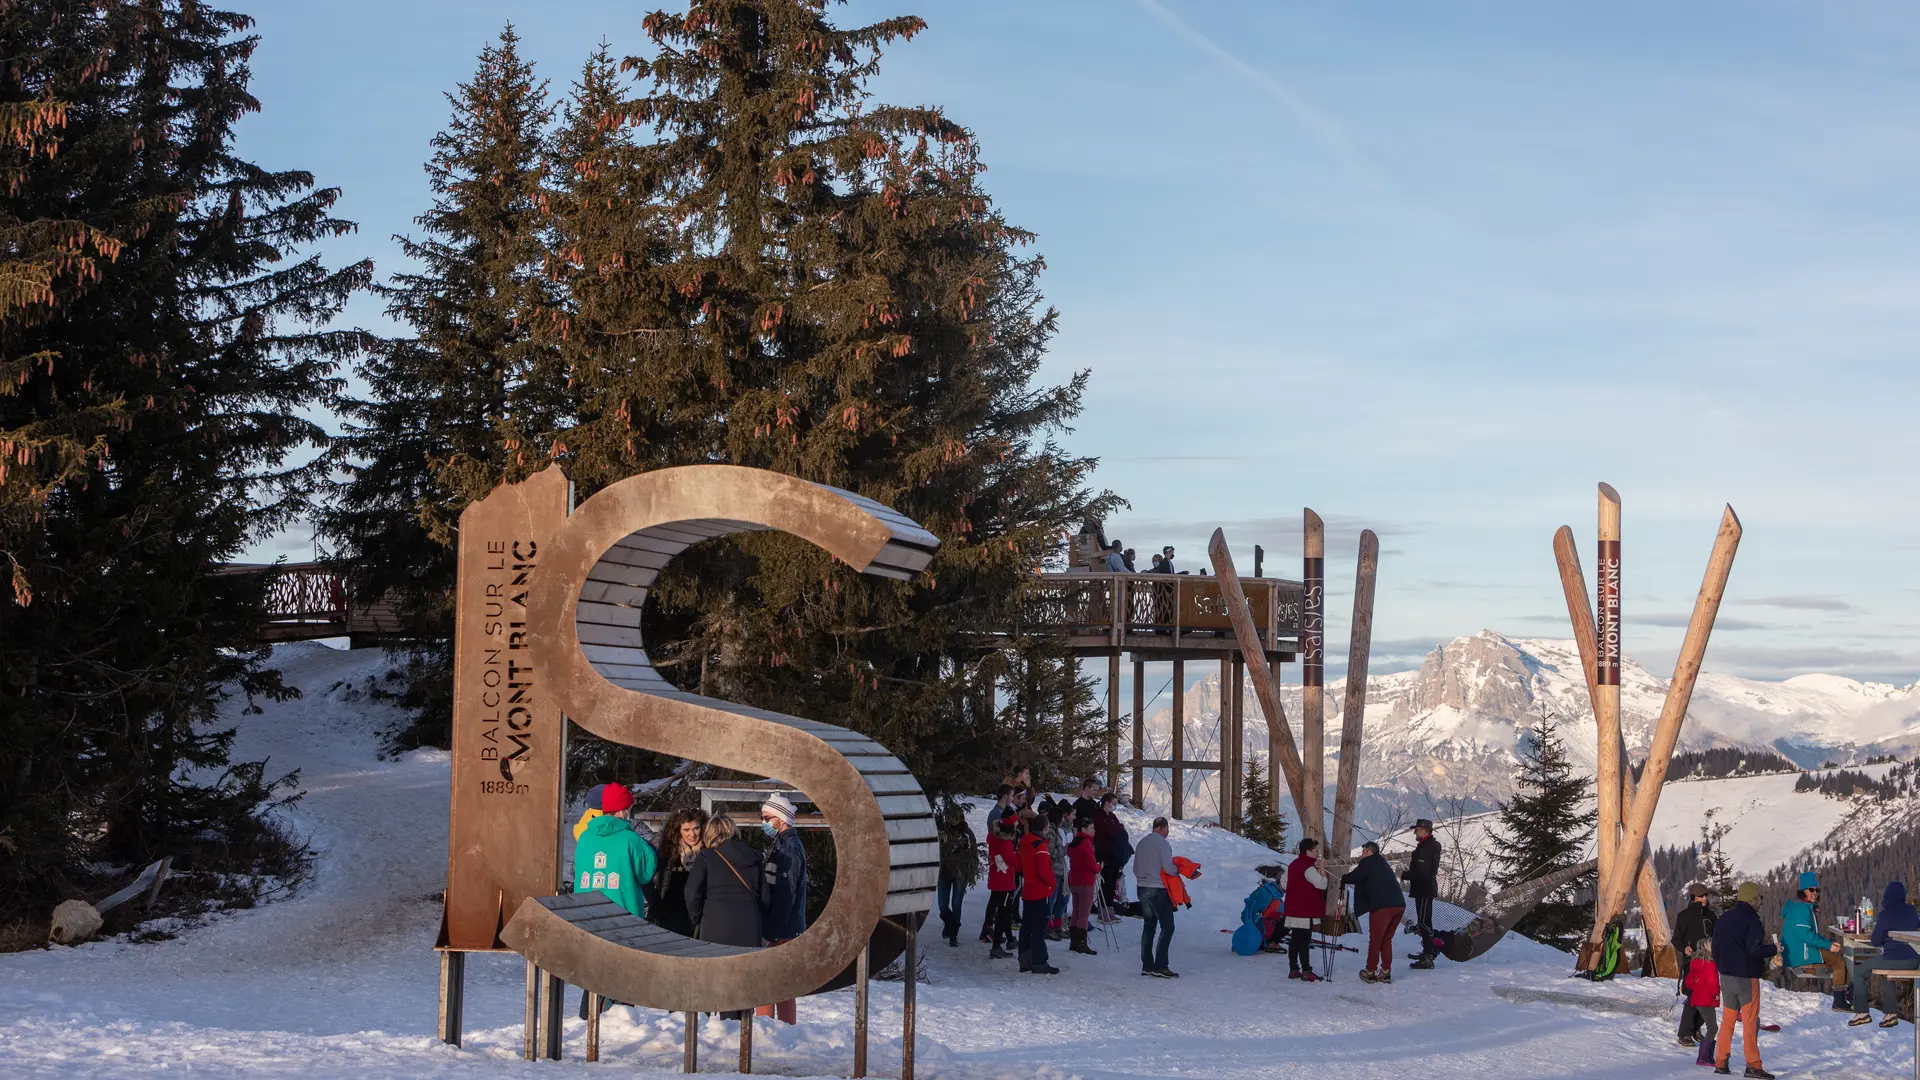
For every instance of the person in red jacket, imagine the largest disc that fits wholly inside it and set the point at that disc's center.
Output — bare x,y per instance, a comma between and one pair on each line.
997,928
1037,885
1306,905
1083,876
1703,999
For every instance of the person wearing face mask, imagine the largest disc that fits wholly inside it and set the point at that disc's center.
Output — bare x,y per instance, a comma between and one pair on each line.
786,871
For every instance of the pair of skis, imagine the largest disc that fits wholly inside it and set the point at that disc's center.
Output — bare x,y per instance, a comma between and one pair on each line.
1626,810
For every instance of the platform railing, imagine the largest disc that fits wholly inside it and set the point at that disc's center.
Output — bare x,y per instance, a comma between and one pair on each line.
1124,608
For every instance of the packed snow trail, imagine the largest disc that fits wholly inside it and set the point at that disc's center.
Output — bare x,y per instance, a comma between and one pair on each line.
339,981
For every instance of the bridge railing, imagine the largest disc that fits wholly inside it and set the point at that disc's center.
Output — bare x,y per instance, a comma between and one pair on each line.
1137,609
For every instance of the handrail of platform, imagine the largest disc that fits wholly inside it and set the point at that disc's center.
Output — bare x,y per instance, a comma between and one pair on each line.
1123,609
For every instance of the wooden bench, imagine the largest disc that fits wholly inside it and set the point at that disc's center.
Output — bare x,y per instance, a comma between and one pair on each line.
1908,977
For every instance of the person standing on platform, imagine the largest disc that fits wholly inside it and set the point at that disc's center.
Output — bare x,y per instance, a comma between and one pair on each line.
1152,858
1741,951
1037,887
786,871
1422,876
1376,894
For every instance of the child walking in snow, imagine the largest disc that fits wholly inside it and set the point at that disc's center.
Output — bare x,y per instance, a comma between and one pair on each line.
1703,998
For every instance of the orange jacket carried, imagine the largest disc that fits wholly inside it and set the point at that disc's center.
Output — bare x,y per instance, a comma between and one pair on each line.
1177,889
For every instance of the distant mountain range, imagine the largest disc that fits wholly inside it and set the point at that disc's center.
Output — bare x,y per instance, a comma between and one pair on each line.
1449,735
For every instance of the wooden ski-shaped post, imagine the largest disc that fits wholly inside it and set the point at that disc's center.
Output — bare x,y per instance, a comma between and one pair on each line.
1313,678
1653,906
1279,733
1666,735
1353,710
1606,698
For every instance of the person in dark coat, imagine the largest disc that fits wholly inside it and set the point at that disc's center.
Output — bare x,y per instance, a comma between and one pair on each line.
786,873
1377,895
727,888
1692,926
1895,914
680,840
1422,876
959,868
1113,847
1741,949
1088,804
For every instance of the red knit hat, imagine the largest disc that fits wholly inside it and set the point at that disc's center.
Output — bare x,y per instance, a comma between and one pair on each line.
615,798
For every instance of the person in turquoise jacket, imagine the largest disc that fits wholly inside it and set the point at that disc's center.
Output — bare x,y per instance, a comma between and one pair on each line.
611,857
1805,947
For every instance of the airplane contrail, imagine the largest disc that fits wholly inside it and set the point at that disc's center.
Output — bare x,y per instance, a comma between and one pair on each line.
1319,124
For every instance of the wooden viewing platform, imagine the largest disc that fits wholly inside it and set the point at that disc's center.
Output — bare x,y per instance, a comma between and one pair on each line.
1148,617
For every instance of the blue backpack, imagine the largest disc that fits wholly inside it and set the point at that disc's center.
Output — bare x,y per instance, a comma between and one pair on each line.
1256,919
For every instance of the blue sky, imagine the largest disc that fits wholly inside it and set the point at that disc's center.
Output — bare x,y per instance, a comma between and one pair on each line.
1432,269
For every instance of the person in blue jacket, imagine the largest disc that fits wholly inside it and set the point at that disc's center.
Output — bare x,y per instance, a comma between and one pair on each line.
1800,933
786,887
1895,914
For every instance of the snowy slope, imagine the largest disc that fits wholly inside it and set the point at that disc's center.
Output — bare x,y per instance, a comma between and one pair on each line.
339,981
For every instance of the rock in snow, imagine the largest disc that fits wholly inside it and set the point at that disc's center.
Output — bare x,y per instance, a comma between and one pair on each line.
339,980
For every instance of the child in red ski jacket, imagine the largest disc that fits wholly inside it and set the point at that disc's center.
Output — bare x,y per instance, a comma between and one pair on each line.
1002,881
1703,1001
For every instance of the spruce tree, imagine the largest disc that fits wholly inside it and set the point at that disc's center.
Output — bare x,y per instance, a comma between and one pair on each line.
476,396
1716,870
1260,821
172,349
1544,828
843,303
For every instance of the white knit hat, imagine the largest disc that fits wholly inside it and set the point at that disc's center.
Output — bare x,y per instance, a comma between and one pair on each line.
779,806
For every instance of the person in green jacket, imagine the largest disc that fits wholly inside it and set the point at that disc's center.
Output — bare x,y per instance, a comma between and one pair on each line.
611,857
1805,947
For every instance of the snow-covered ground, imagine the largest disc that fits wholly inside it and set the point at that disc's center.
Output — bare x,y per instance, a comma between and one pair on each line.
339,981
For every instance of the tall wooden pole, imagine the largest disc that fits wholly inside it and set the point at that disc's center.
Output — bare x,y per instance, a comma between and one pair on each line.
1224,789
1653,905
1139,727
1666,735
1274,734
1266,676
1606,702
1179,738
1239,740
1113,718
1313,676
1353,709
